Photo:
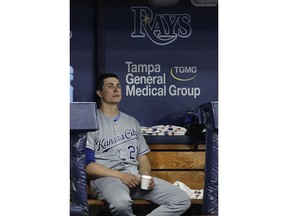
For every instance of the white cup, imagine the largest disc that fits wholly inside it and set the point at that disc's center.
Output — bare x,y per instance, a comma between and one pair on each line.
145,180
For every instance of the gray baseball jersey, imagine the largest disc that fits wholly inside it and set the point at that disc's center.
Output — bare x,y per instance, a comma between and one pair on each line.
118,142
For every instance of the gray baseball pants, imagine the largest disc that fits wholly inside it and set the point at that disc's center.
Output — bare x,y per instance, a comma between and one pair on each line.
171,199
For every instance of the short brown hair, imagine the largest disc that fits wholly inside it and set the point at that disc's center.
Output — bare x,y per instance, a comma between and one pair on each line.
100,79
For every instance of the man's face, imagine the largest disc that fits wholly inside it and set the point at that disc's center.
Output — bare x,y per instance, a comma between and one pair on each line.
111,91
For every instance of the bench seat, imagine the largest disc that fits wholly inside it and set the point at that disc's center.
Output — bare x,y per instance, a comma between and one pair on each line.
136,202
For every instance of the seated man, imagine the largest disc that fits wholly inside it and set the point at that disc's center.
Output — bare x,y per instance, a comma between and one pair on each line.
116,158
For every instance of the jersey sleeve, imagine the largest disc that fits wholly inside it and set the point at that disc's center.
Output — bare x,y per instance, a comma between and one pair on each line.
143,147
91,137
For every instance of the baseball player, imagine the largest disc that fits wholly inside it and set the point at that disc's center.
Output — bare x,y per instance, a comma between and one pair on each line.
116,158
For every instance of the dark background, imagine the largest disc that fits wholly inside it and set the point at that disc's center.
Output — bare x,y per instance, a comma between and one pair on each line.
101,42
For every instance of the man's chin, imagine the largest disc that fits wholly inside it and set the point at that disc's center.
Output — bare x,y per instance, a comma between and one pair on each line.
115,101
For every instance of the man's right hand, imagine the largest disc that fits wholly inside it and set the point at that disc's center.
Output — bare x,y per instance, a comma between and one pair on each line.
130,180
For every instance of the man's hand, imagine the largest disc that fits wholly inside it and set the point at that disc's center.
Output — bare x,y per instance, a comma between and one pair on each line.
151,184
129,179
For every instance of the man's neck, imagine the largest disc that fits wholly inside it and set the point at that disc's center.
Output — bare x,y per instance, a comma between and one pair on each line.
111,110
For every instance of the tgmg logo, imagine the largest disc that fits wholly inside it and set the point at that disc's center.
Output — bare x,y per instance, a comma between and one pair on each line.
183,73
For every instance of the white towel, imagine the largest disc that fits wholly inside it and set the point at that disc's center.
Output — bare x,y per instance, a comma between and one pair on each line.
193,194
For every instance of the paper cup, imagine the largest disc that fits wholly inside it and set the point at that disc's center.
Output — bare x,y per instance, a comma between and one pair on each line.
145,180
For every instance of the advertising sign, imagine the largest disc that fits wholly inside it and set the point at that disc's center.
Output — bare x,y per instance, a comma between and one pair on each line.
166,58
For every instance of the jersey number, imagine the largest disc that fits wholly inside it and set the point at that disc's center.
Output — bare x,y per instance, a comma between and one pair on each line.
132,151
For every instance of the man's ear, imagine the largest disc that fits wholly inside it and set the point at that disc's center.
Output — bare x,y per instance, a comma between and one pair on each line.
99,93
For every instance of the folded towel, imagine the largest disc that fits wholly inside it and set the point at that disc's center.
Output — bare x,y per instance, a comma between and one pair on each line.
193,194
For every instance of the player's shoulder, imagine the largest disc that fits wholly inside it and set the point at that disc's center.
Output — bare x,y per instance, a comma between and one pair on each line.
127,117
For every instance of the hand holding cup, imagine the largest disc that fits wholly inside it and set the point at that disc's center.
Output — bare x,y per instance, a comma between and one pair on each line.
145,181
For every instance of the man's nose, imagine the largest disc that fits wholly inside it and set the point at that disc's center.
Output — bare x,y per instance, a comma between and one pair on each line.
116,88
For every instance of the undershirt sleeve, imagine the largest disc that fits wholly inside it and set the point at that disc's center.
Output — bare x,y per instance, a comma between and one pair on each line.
89,156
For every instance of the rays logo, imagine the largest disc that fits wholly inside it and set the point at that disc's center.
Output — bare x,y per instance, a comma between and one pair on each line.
161,29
